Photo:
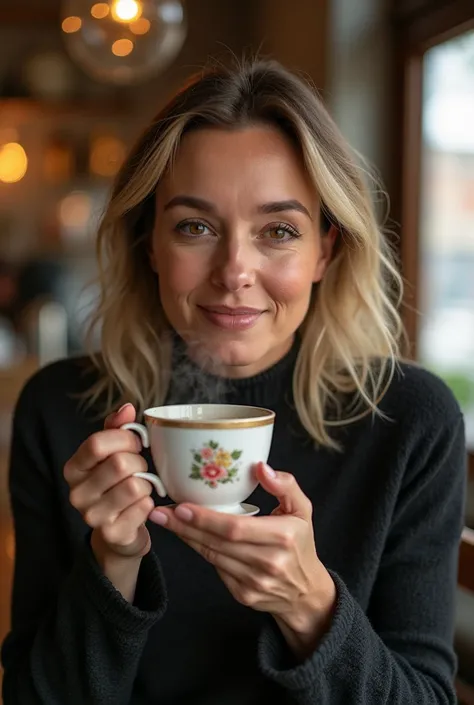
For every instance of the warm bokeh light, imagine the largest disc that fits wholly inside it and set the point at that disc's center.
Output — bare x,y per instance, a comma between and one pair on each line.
75,210
100,10
71,24
126,10
122,47
141,26
107,155
13,163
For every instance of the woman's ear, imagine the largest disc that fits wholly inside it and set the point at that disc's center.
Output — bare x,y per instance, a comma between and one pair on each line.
327,245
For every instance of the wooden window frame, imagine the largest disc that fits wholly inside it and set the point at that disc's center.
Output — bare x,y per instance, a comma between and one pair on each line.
418,25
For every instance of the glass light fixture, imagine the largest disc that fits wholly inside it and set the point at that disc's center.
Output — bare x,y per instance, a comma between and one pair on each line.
123,41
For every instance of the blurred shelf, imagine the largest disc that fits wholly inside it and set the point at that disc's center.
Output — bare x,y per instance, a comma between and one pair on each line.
30,107
29,12
20,15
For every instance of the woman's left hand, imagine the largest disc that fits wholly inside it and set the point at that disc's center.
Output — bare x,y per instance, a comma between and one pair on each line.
267,563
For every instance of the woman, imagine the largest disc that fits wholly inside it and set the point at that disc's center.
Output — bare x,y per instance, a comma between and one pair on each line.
240,260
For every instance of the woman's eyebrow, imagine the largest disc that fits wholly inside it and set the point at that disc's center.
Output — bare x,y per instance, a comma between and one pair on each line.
206,206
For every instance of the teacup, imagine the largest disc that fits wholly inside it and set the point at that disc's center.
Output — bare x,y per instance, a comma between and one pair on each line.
204,453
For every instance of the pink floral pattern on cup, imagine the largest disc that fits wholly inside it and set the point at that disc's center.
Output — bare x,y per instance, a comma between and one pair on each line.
214,465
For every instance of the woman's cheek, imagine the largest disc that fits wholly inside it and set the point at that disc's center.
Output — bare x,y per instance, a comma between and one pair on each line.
291,280
182,272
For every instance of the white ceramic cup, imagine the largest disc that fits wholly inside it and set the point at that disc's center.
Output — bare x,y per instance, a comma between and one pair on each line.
204,453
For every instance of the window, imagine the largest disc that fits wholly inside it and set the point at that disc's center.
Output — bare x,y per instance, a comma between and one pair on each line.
446,219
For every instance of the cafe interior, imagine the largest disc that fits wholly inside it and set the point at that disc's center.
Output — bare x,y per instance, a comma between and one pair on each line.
78,81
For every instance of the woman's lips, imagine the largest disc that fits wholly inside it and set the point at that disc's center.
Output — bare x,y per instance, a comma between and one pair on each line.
241,318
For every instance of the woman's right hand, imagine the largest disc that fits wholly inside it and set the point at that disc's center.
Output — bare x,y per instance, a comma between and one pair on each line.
102,488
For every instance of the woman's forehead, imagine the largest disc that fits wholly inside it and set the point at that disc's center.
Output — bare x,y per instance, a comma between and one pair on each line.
255,164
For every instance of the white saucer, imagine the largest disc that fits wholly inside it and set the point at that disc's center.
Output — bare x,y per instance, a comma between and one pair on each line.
243,510
247,510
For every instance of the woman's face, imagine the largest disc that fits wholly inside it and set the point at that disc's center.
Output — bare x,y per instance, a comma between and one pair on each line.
237,246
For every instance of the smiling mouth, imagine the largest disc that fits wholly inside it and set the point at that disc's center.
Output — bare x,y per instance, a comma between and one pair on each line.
227,318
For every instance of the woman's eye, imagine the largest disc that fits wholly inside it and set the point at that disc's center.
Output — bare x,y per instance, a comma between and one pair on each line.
278,234
281,234
193,228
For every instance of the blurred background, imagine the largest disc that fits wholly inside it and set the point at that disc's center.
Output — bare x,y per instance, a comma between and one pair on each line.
78,80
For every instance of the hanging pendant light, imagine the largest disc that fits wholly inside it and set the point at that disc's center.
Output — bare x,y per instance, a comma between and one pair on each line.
123,41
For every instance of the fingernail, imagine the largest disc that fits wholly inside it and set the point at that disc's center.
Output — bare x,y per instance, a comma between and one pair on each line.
269,471
183,513
158,517
124,406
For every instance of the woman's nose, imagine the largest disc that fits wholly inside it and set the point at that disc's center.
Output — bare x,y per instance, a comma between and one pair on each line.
235,267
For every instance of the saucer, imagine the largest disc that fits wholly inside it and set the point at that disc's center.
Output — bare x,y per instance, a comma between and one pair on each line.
247,510
243,510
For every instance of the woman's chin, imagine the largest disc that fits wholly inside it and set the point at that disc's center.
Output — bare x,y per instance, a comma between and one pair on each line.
228,358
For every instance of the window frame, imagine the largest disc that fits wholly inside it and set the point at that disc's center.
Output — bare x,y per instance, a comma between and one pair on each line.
418,26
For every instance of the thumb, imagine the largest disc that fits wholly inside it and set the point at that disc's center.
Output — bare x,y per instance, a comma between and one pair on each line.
126,414
284,487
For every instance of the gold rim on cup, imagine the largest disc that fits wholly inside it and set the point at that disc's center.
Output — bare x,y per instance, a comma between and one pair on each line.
216,424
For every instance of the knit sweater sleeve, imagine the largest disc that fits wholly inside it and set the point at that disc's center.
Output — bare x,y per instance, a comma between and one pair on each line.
74,639
400,651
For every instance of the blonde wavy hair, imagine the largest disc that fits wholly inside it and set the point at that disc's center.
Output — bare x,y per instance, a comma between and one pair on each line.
350,336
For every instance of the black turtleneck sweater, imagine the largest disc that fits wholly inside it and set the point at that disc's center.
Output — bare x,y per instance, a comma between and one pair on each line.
387,522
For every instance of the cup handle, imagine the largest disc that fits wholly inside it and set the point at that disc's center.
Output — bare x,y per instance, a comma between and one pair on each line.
151,477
